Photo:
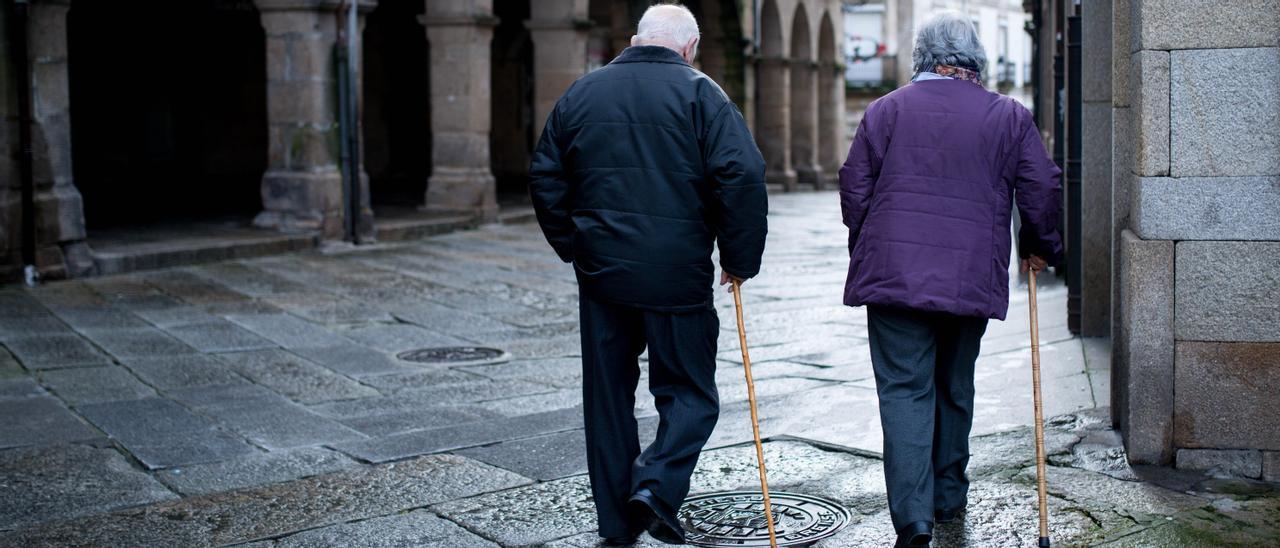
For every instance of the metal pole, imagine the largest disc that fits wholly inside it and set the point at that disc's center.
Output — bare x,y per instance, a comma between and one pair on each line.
18,32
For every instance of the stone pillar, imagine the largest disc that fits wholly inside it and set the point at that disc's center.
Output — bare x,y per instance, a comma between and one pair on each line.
558,29
61,250
773,129
832,141
804,121
302,190
460,32
905,37
1197,269
1095,212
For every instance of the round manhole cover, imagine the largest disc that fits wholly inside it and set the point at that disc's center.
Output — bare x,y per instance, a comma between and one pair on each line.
737,519
454,355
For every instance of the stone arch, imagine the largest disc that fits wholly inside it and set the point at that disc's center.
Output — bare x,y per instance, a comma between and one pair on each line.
804,98
773,131
172,133
831,135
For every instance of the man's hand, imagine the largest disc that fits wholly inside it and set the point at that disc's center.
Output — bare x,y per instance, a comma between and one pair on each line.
1033,263
726,277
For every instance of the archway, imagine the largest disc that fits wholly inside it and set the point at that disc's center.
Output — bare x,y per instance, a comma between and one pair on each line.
831,132
773,122
512,138
396,118
804,96
168,110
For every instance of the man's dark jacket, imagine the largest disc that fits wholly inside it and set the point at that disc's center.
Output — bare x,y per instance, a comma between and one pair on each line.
642,165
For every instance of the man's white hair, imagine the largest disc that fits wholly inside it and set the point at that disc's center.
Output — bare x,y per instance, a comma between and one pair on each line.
670,25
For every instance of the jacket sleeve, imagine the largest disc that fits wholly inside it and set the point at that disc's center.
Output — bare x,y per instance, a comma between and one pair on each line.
736,171
1038,192
858,178
551,190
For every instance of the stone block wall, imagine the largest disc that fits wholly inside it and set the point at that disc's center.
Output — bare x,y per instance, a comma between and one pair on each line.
1196,195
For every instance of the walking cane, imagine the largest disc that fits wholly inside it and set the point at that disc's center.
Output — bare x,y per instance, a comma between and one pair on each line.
755,421
1035,386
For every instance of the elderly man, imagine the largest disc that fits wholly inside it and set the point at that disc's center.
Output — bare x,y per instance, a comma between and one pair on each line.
926,195
643,165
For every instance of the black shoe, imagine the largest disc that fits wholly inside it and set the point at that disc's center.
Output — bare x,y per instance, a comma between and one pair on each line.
918,533
619,541
650,513
948,516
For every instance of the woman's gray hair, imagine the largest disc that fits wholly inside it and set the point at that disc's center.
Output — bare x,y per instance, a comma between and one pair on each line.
948,38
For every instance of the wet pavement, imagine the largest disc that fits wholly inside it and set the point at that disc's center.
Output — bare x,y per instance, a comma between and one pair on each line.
261,401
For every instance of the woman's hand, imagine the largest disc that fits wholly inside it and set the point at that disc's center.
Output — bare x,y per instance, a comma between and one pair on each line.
1033,263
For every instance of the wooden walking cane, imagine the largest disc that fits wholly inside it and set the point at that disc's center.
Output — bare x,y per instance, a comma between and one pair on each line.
1039,407
755,421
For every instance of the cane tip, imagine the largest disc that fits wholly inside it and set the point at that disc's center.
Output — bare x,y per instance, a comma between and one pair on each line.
1044,542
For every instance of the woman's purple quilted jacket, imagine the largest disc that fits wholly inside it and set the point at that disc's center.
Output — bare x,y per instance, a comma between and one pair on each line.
926,195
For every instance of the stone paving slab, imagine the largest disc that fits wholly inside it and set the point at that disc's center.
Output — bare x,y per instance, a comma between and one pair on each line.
183,371
167,317
161,433
218,336
252,470
354,360
418,528
286,330
396,338
16,326
99,317
294,377
328,309
462,436
423,419
130,343
276,423
95,384
66,481
563,373
20,387
40,420
431,397
279,510
55,351
425,378
549,457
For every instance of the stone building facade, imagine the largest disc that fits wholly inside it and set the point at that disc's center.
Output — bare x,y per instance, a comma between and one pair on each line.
1179,217
174,112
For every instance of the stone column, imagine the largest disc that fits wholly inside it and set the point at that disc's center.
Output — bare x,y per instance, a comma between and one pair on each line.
61,250
832,141
773,129
804,121
302,189
460,32
558,29
904,38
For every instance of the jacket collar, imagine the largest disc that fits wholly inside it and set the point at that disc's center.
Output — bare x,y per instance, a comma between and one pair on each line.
649,54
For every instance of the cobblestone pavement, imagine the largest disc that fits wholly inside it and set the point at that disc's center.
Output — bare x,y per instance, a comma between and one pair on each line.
261,402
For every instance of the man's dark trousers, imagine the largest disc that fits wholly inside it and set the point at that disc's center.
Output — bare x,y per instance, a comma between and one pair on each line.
923,363
682,353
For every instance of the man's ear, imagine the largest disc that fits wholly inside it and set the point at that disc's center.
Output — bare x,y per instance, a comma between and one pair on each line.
635,40
690,50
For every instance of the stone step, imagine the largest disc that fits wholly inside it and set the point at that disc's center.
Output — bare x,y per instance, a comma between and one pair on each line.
150,247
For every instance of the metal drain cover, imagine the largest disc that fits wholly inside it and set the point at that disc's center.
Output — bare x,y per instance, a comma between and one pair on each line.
737,519
455,355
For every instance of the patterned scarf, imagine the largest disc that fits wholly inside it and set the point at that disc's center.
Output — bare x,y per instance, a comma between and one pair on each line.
959,73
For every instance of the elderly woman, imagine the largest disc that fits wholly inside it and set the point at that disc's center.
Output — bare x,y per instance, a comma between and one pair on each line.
926,194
